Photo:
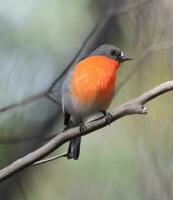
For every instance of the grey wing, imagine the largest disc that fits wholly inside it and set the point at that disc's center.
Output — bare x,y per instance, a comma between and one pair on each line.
65,94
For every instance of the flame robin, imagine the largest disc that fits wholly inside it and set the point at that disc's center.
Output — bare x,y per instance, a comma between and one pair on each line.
89,88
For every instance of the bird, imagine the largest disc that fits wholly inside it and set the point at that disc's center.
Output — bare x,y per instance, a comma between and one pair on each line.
89,89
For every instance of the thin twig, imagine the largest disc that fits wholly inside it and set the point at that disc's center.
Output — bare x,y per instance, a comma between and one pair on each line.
50,159
13,140
134,106
24,102
53,99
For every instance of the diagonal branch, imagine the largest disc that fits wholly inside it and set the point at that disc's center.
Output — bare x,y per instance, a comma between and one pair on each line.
134,106
24,102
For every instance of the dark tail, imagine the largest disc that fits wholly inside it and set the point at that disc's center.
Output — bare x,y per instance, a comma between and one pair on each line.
74,149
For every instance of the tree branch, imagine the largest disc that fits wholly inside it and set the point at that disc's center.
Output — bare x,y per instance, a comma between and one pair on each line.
134,106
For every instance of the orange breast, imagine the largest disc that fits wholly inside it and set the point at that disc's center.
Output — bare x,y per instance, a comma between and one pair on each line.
93,81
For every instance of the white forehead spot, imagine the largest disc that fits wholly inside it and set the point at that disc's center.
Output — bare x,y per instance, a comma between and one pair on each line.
122,54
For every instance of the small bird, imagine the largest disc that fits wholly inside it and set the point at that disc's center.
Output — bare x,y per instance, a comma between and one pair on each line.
89,88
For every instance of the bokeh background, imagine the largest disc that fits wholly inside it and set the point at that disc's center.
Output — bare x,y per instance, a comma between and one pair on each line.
131,159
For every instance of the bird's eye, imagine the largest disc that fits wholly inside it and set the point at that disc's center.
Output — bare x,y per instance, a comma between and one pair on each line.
113,52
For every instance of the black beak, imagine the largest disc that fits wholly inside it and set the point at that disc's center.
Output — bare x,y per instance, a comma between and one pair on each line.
123,58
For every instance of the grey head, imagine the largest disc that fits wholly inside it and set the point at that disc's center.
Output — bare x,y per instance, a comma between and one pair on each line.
111,51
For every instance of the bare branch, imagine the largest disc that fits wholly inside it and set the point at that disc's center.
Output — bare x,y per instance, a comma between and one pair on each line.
24,102
135,106
126,8
13,140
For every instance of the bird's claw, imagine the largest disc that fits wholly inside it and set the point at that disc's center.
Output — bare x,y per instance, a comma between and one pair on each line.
82,127
108,117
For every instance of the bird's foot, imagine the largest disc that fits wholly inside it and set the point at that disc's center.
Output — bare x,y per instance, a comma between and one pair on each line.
82,127
107,116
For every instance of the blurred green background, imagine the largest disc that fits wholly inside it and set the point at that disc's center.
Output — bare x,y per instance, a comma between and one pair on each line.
131,159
